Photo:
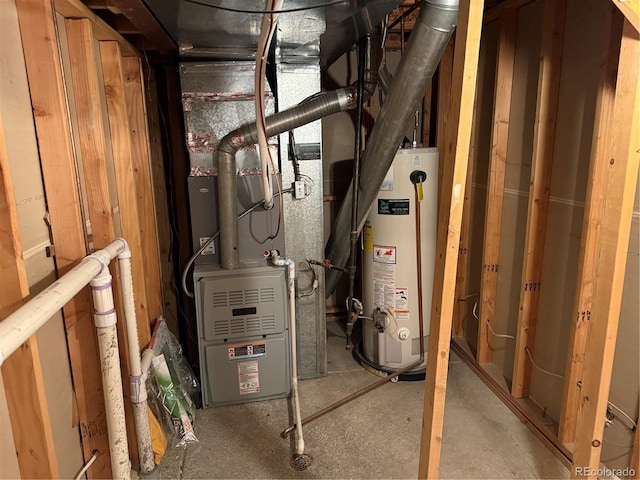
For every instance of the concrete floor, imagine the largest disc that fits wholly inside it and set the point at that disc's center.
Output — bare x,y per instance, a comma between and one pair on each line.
376,436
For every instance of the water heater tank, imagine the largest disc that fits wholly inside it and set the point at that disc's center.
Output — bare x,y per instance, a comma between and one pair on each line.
389,270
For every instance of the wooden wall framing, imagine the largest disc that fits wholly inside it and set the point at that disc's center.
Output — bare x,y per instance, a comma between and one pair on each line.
95,123
605,236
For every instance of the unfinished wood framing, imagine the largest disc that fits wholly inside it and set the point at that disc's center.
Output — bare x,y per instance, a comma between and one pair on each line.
101,31
631,11
458,136
125,184
619,189
495,189
145,23
22,371
457,328
445,79
145,191
543,145
98,171
600,151
426,115
57,158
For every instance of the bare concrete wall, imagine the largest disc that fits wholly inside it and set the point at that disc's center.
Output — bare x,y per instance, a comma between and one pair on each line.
15,108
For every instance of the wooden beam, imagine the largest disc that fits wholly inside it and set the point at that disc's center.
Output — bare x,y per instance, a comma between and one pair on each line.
495,187
46,86
125,184
163,218
22,372
543,144
139,15
96,158
465,69
495,13
631,11
600,151
143,178
460,305
101,31
426,115
445,80
610,260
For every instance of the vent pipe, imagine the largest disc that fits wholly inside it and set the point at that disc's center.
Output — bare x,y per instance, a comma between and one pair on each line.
428,40
313,108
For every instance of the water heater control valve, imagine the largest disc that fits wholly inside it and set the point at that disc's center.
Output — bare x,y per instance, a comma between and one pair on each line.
404,333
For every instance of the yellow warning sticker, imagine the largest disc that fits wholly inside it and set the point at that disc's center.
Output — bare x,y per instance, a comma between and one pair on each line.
367,238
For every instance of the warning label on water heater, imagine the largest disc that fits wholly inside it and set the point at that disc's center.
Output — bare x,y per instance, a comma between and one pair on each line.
384,276
248,377
384,254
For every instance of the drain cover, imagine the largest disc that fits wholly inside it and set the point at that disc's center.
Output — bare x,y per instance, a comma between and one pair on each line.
301,462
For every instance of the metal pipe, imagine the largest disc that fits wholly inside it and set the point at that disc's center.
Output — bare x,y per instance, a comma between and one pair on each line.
417,181
428,40
309,110
353,260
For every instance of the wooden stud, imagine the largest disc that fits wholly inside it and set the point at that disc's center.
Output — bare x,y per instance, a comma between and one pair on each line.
101,31
445,80
46,86
600,151
21,371
157,156
543,144
127,195
610,259
96,159
465,69
143,177
631,10
495,188
496,12
459,307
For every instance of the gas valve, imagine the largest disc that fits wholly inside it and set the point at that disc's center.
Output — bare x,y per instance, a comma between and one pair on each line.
379,320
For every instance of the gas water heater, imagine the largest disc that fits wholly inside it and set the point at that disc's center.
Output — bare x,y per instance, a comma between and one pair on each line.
390,337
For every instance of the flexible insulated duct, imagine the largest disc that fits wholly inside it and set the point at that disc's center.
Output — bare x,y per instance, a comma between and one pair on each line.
309,110
428,40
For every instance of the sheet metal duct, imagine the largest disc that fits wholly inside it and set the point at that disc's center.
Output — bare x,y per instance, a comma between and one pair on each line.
314,108
428,40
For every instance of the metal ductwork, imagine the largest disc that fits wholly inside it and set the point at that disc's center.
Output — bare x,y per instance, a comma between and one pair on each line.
427,43
309,110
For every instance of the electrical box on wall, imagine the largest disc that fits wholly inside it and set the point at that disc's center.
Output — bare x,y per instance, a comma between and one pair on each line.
243,333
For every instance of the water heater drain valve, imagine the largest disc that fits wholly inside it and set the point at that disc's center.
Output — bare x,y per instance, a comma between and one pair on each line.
404,333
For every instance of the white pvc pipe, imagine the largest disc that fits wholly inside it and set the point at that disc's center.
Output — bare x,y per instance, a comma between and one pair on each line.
291,267
105,320
24,322
138,388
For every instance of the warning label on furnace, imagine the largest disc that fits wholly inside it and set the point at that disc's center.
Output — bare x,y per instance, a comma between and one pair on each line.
248,377
247,350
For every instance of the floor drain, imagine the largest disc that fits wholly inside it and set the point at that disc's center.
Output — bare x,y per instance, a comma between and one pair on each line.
301,462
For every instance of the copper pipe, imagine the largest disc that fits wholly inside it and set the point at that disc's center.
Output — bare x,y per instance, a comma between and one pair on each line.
397,373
